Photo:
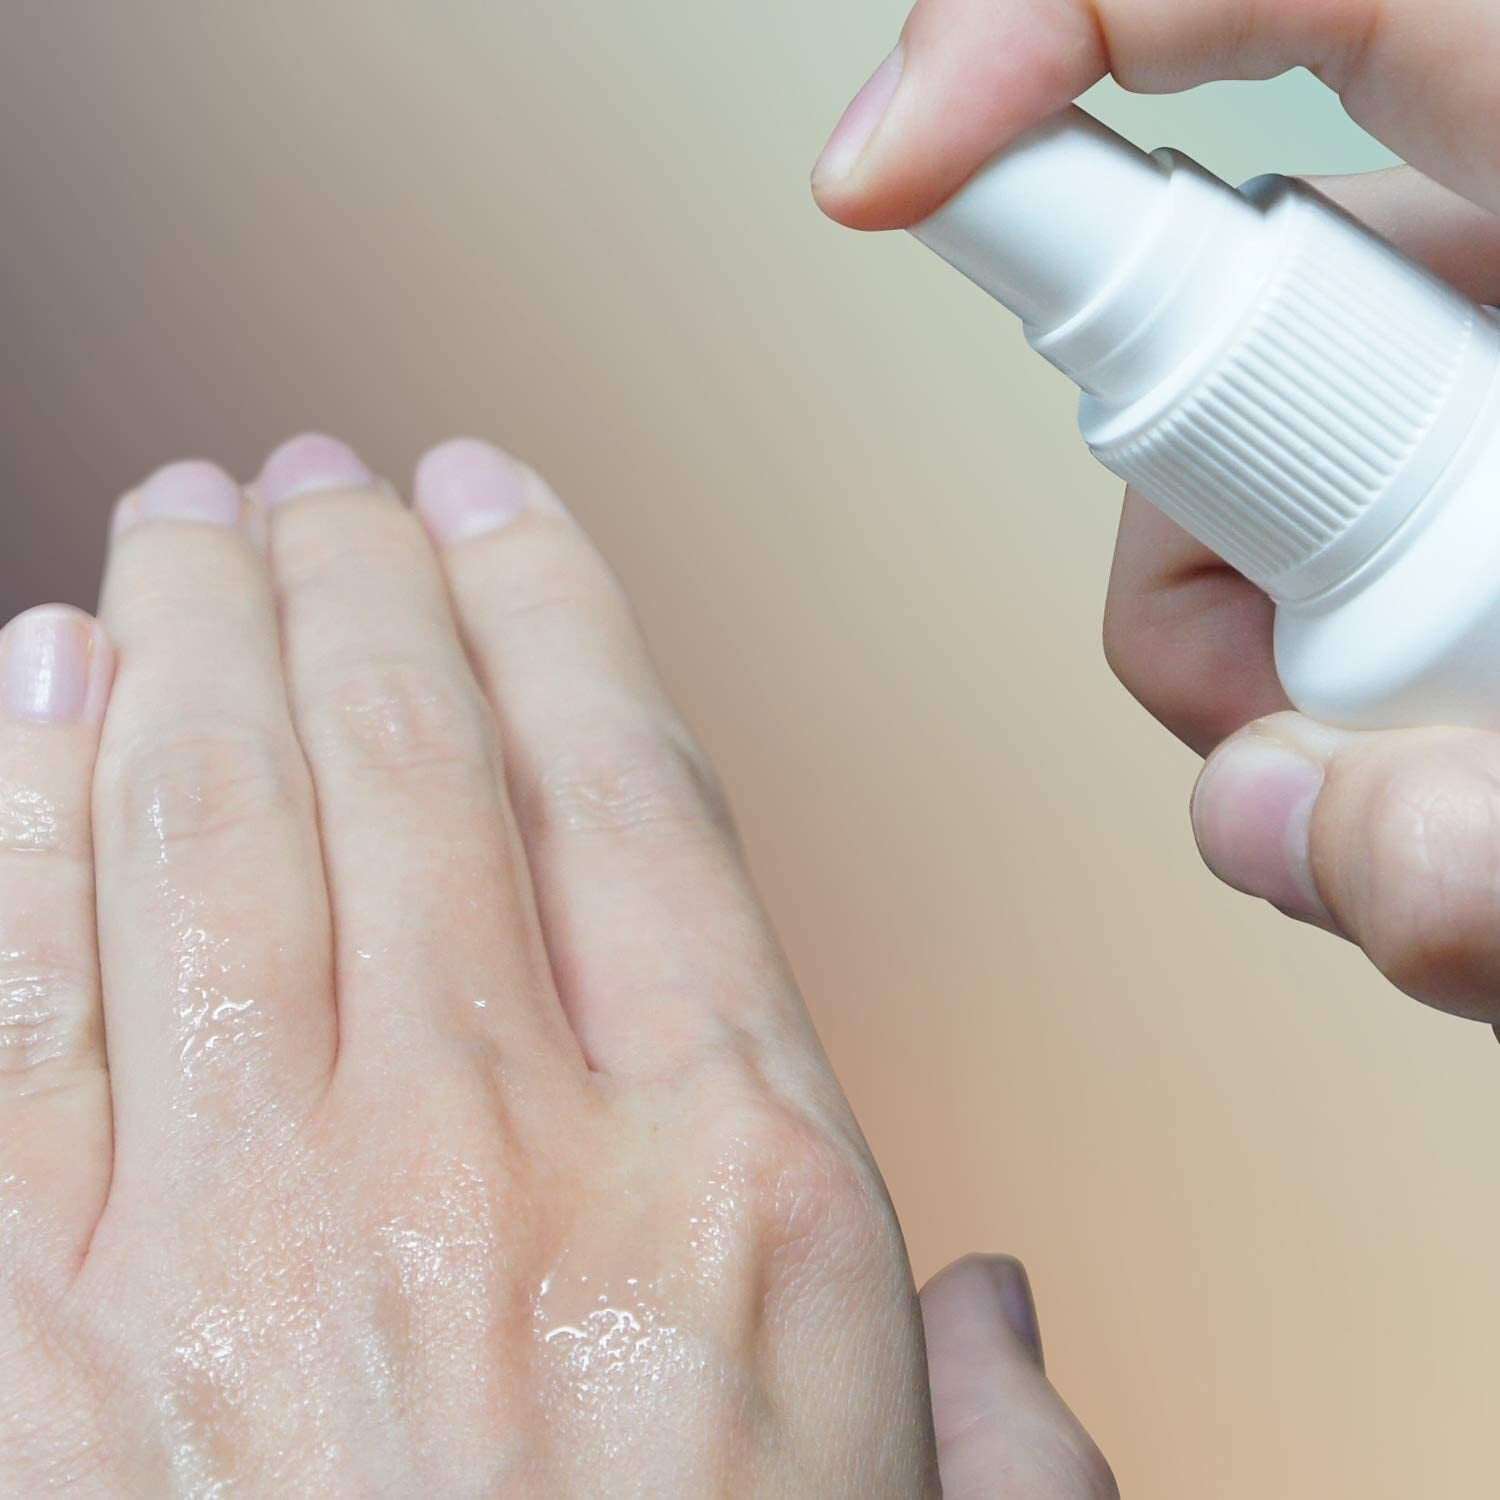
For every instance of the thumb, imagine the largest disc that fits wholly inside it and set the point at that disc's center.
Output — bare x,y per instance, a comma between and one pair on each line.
1390,838
970,75
1001,1428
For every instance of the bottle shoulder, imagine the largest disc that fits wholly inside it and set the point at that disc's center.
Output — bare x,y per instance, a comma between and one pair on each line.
1416,640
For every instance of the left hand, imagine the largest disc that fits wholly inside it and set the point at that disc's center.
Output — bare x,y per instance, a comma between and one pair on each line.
402,1090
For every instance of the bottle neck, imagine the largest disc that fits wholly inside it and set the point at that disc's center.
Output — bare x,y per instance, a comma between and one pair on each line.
1273,376
1044,226
1322,384
1173,295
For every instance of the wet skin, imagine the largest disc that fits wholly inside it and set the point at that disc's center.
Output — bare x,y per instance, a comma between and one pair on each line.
435,1113
401,1092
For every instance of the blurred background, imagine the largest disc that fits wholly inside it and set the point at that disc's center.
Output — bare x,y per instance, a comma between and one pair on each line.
1256,1188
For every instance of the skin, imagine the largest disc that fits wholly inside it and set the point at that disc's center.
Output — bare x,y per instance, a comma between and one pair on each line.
1384,838
402,1091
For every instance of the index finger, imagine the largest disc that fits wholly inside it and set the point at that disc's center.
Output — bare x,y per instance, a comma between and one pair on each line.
970,75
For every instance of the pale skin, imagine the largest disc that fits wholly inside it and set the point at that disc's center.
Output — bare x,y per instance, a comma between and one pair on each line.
1387,839
402,1092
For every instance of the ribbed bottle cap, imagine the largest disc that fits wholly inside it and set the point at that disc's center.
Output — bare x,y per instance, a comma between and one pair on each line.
1272,375
1316,427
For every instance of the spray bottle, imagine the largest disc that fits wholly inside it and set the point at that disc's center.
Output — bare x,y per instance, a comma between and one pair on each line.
1316,408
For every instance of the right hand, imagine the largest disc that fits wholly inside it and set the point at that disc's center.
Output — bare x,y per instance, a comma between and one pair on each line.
1391,839
1002,1430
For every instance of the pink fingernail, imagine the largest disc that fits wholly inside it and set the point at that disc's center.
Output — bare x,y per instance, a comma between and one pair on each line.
1252,814
859,122
466,487
50,660
304,465
188,491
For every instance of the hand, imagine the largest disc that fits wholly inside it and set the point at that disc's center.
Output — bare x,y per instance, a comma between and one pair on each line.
1002,1430
1390,838
402,1092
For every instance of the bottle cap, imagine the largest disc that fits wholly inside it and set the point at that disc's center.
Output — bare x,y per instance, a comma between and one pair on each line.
1272,375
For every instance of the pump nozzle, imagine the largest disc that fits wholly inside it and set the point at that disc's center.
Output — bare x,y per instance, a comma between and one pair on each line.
1279,380
1046,221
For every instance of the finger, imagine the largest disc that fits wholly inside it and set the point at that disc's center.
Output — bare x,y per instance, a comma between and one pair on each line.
437,934
1185,633
970,75
655,938
1430,222
1001,1427
1188,636
1387,837
55,670
212,910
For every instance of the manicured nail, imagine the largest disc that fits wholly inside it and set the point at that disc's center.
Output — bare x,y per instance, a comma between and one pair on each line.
189,491
1016,1302
853,132
309,463
49,662
466,487
1252,813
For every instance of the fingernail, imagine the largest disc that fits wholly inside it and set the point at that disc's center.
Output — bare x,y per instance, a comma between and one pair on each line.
858,124
189,491
1252,813
466,487
1016,1302
47,662
309,463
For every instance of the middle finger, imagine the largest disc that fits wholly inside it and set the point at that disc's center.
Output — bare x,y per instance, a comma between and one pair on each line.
436,934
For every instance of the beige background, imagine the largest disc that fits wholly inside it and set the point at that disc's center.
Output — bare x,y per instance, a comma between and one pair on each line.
1256,1188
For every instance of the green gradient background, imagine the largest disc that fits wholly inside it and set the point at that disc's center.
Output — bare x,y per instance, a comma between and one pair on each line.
1256,1188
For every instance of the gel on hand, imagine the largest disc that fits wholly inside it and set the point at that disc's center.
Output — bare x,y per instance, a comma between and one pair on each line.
1313,406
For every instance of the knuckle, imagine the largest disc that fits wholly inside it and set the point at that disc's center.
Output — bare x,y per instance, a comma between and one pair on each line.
1182,658
817,1185
347,535
807,1187
197,784
402,719
1428,902
1133,650
47,1014
1052,1457
1350,31
34,823
1119,639
1056,1458
550,570
647,780
1091,1476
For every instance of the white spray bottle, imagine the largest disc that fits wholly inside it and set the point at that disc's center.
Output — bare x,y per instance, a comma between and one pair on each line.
1316,408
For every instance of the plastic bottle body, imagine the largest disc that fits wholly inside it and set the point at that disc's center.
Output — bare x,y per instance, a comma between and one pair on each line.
1316,408
1413,638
